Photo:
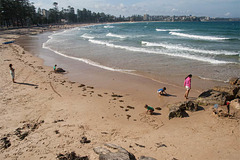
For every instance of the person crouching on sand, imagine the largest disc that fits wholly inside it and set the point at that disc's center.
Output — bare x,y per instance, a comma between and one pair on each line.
187,85
55,68
12,72
162,91
149,109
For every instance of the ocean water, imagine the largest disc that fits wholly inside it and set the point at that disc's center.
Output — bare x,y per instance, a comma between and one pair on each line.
208,50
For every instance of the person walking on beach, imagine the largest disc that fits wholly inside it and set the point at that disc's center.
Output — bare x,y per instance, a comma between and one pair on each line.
12,72
187,85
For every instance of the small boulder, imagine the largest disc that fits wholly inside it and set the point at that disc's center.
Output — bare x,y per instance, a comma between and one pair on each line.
177,110
114,152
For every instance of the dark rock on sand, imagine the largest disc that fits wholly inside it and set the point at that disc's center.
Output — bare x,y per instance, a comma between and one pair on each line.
4,143
178,109
71,156
84,140
146,158
113,152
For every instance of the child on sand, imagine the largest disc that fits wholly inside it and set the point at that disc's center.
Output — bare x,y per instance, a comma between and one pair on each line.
187,85
149,109
162,91
55,67
12,72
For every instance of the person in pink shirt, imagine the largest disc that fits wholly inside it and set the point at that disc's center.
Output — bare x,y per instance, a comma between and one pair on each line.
187,85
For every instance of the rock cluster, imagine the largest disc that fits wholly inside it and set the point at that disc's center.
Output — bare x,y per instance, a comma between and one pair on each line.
219,95
179,109
115,152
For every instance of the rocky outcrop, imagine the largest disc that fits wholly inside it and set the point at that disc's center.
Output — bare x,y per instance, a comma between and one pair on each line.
218,95
234,81
235,104
179,109
115,152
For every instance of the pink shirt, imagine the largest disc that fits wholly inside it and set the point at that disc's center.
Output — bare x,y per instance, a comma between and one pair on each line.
187,82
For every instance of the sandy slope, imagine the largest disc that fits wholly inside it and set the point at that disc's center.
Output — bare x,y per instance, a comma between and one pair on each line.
45,114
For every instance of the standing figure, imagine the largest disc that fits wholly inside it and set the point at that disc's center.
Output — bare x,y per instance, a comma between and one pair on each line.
187,85
12,72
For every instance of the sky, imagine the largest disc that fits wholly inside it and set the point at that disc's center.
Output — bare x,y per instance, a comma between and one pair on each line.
211,8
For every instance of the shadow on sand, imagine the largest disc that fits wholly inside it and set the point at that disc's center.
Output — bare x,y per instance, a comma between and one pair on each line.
28,84
168,95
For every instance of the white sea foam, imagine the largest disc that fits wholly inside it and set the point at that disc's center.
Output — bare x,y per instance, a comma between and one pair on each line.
167,30
155,51
88,61
87,36
179,47
108,26
116,35
210,38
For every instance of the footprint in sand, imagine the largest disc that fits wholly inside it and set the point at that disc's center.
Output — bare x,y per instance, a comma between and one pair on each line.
151,120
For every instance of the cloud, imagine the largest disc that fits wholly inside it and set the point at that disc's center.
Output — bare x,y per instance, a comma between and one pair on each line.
153,7
227,14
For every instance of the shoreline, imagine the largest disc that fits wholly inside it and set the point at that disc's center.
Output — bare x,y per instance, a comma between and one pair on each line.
105,107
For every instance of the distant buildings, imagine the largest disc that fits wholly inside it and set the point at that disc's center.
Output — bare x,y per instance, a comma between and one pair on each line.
45,13
189,18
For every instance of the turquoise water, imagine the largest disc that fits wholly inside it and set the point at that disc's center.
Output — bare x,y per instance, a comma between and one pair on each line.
208,50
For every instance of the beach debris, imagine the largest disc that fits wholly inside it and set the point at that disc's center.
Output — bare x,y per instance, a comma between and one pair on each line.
84,140
113,152
128,116
81,85
130,107
139,145
90,87
57,131
121,100
24,131
59,120
115,95
158,108
99,95
4,143
146,158
161,145
71,156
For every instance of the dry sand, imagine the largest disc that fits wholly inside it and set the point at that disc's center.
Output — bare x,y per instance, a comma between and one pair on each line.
46,113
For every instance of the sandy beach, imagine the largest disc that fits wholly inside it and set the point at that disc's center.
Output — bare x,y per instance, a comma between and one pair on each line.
45,114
